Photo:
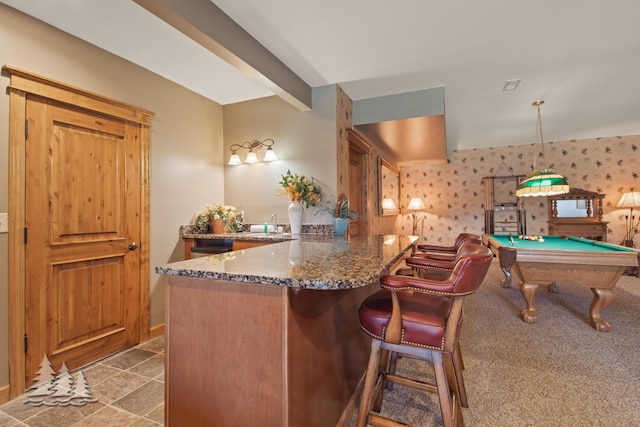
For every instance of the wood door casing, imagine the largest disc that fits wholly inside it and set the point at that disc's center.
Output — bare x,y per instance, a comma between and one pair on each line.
357,180
84,247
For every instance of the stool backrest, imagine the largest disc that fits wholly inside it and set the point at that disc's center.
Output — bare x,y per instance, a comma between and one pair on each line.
467,237
472,263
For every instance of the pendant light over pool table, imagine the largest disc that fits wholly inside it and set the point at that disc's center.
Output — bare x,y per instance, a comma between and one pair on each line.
544,182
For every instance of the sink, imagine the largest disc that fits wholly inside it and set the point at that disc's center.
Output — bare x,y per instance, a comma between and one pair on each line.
266,236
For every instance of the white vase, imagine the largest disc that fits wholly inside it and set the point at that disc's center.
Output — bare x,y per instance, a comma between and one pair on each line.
295,216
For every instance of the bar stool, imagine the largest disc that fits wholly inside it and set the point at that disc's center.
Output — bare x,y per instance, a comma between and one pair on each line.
438,266
420,318
444,253
438,251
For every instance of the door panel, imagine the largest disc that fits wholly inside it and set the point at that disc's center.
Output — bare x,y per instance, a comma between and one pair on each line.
82,211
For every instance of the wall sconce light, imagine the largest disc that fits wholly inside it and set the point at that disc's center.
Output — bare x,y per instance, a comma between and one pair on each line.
389,207
416,204
630,200
253,147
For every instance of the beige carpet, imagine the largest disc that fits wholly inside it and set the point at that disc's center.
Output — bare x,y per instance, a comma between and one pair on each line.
556,372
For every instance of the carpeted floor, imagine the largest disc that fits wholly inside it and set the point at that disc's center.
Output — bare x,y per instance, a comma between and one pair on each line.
556,372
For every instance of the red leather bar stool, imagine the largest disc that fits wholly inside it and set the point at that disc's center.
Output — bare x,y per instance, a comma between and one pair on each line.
462,237
420,318
437,267
444,253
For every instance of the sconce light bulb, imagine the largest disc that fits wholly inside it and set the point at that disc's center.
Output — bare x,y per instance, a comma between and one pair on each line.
251,158
270,155
234,160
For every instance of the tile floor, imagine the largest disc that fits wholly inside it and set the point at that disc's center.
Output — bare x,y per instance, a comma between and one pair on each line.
128,386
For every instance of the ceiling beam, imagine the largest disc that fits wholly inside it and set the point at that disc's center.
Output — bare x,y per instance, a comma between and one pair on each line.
208,25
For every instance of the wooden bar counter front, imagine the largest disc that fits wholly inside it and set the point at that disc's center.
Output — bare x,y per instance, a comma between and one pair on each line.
269,336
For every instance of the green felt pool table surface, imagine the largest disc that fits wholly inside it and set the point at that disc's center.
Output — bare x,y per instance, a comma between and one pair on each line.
559,243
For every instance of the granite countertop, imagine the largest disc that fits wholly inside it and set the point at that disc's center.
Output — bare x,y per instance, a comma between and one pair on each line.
321,262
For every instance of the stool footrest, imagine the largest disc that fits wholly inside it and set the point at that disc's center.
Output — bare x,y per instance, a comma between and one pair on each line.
377,420
413,383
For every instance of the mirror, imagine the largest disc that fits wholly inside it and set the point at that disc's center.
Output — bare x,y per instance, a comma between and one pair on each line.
572,208
388,189
577,203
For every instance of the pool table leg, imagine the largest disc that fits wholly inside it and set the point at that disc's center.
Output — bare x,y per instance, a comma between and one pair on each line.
601,299
507,258
529,314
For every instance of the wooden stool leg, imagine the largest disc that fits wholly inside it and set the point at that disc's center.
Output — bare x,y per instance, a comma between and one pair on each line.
454,390
458,366
443,389
392,367
368,392
460,355
384,367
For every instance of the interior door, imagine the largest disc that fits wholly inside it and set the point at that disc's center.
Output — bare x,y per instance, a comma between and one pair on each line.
357,191
83,226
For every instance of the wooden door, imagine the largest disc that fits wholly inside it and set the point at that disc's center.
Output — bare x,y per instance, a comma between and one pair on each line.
357,191
83,226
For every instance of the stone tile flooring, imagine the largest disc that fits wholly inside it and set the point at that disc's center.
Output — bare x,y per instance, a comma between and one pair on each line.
129,387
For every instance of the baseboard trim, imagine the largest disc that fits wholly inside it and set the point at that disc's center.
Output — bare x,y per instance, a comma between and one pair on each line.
5,393
156,331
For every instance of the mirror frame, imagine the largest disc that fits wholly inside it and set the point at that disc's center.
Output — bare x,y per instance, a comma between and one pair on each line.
385,168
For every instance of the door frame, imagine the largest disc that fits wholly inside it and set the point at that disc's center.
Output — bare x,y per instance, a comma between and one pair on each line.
22,83
358,143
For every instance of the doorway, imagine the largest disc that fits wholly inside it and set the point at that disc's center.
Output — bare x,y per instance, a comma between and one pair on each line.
358,200
78,217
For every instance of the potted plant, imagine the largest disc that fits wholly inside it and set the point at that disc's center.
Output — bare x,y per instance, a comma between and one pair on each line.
302,192
219,218
341,213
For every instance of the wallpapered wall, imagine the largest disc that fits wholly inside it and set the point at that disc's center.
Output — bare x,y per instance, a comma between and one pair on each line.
454,192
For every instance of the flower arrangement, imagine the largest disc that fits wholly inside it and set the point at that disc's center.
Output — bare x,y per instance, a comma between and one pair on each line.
300,188
231,217
340,208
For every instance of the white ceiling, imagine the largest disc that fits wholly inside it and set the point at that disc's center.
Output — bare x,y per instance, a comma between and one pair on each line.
581,56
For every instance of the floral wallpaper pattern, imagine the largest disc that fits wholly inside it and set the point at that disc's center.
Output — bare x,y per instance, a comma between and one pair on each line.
454,192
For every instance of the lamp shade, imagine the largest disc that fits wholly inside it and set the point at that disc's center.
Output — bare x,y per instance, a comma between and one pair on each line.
388,204
416,204
629,200
251,157
270,155
542,183
234,160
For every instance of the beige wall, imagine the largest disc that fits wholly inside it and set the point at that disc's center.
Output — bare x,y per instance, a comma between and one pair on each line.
311,143
186,137
188,157
454,192
305,143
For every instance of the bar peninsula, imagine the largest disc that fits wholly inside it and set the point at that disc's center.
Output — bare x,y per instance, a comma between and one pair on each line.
269,336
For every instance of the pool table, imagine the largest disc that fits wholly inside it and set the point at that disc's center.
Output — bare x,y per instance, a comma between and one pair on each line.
591,263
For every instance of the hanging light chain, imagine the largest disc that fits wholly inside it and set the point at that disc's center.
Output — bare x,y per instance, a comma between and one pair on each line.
537,104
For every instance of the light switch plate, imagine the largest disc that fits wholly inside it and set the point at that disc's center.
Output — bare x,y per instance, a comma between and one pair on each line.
4,223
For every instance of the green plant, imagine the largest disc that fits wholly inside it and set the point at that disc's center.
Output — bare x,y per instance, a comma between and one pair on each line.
340,208
231,217
300,188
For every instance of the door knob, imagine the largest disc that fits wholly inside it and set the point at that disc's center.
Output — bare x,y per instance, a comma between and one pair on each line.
132,246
